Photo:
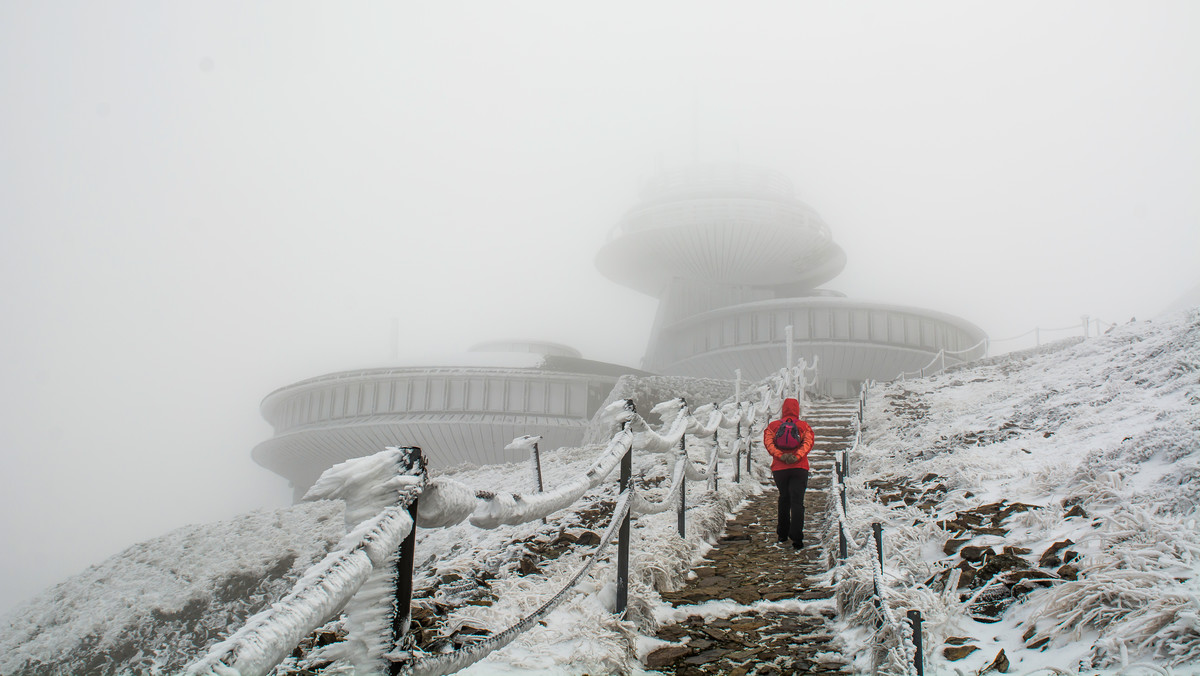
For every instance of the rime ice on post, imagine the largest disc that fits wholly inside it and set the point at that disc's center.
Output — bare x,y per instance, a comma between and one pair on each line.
359,575
369,486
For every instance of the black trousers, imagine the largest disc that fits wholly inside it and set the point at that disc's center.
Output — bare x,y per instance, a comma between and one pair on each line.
791,484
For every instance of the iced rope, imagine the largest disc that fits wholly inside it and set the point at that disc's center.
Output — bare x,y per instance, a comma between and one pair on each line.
266,638
452,662
891,627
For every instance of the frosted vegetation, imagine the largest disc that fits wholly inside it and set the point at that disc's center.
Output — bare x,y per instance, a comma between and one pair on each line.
1097,442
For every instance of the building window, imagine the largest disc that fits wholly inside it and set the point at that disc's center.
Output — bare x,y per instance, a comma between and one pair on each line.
879,327
841,324
822,325
495,395
557,405
537,398
860,324
516,396
417,395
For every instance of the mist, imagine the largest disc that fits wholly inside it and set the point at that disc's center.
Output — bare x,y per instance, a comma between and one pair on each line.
200,203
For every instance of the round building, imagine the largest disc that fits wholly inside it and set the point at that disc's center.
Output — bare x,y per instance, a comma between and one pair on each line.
464,410
734,258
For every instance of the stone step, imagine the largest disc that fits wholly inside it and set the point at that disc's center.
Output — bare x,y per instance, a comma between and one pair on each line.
748,564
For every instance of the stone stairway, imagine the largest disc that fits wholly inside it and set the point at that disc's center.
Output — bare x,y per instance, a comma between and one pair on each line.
748,565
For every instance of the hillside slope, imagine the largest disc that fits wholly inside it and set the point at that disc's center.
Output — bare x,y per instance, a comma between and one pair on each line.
1044,504
149,609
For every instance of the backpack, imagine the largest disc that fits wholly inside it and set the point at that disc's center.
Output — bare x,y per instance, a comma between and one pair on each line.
787,436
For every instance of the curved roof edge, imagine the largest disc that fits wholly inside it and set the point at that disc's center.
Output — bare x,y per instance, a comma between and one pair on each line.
781,303
539,364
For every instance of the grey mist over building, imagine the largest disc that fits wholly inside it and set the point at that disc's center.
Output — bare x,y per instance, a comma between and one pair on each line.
735,260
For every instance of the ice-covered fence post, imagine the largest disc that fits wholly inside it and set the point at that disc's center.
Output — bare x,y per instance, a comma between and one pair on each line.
356,576
1086,322
624,534
715,479
914,616
737,441
537,463
791,390
414,463
682,518
841,525
878,530
737,400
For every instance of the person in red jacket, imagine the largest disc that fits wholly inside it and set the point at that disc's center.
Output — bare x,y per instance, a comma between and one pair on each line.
789,448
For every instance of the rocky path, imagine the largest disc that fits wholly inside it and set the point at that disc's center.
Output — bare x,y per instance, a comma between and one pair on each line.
747,566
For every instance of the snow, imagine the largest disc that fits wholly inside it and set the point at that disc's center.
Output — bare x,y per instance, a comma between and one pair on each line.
145,608
359,576
1109,424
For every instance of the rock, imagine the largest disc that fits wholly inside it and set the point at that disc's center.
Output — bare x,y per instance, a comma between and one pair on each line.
671,633
999,664
958,640
954,653
1068,572
528,567
1038,644
975,554
706,656
1016,551
1075,511
588,538
999,563
1050,558
953,544
991,531
744,596
1015,508
667,655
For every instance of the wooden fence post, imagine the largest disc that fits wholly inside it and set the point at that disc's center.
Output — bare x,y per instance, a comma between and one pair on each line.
914,616
682,518
414,461
537,461
624,534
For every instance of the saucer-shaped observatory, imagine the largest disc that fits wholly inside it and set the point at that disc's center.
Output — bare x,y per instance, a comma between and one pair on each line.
464,409
734,258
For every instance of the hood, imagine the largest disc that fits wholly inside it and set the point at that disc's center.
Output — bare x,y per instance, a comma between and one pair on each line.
791,408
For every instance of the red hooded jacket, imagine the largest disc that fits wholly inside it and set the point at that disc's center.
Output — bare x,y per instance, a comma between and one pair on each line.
791,409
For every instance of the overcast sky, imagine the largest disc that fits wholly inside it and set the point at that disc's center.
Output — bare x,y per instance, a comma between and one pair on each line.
202,202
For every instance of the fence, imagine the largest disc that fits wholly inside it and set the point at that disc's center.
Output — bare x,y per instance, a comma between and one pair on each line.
899,641
368,575
938,363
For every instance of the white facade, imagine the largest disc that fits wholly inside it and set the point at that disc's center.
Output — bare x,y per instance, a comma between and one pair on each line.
457,414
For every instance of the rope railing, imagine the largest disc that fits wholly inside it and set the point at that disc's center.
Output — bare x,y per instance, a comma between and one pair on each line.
892,635
1084,327
376,530
460,659
987,343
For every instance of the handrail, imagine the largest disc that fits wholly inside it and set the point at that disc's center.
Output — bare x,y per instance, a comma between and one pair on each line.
889,629
370,548
439,665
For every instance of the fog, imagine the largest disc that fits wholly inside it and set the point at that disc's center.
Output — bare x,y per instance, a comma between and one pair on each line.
202,202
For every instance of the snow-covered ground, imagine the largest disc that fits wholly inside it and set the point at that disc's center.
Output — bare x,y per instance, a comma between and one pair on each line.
1100,438
1099,441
